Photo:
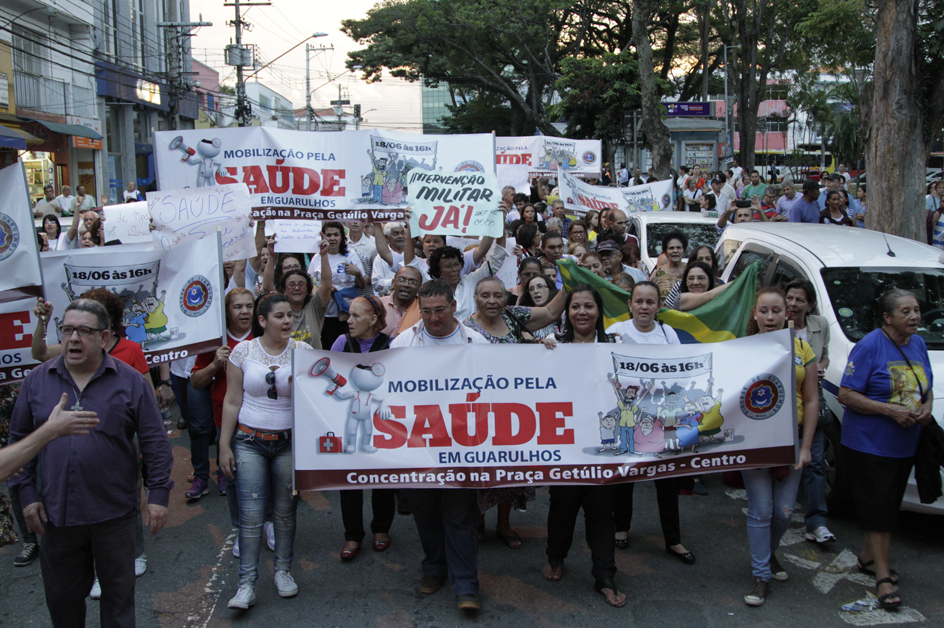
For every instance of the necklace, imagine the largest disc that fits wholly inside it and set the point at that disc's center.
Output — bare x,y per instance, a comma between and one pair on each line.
78,399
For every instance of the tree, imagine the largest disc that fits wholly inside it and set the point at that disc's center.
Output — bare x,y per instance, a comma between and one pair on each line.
510,49
657,133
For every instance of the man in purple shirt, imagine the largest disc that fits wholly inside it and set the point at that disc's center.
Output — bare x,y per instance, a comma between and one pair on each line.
806,208
86,510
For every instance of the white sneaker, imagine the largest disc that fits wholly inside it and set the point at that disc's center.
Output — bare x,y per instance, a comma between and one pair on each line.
270,535
244,598
285,583
236,547
821,535
140,565
96,592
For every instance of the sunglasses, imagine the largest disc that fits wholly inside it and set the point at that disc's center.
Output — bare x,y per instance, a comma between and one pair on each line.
270,380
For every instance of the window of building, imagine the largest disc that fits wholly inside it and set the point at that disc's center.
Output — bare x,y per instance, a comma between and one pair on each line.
29,53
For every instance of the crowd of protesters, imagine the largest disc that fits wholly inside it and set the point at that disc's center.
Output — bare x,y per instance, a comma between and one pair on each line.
371,287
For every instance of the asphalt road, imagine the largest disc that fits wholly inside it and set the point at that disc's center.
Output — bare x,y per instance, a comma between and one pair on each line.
192,573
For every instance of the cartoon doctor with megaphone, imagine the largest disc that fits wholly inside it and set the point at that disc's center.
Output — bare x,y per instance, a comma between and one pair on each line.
363,380
208,168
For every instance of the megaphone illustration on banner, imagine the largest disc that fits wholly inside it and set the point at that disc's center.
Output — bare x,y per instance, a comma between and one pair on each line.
178,144
322,368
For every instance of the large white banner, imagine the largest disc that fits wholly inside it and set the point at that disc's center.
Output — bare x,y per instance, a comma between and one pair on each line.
581,197
173,299
350,175
17,324
520,159
19,248
511,415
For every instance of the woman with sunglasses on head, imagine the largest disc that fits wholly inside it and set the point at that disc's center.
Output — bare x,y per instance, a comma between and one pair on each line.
367,317
771,492
702,253
583,323
257,415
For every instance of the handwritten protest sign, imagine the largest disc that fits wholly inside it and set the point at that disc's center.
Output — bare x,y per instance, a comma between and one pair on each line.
128,223
296,236
455,203
195,213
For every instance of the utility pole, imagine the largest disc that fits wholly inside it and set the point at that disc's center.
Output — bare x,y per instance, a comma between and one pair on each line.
308,109
177,84
237,55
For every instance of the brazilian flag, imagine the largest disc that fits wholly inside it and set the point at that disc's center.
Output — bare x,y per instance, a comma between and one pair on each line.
724,318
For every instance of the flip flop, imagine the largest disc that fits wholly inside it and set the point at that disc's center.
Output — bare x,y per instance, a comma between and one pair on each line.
600,585
554,565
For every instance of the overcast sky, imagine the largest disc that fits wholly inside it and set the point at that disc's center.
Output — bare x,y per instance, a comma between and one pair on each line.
277,28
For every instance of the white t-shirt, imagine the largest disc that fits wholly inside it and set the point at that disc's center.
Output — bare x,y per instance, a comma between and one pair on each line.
737,170
661,335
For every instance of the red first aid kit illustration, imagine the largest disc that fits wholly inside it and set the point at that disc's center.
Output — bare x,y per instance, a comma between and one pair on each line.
329,444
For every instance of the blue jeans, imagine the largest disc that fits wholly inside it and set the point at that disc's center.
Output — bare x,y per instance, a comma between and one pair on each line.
769,510
264,468
814,484
626,441
201,428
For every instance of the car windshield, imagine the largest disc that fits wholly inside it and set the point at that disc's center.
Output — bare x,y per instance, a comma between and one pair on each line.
855,294
698,234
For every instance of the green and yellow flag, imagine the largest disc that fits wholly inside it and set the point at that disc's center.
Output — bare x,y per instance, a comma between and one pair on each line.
724,318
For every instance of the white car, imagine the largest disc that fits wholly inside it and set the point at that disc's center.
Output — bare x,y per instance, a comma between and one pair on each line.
850,269
651,227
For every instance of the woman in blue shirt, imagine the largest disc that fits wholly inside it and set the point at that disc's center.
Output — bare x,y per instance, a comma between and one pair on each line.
886,389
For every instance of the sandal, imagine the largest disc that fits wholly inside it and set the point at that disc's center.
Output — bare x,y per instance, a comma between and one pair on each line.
513,541
864,568
556,572
600,585
883,599
621,543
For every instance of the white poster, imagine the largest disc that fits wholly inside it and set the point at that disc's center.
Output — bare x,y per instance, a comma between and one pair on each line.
474,416
461,204
581,197
190,214
128,223
350,175
173,299
296,236
520,159
17,324
19,248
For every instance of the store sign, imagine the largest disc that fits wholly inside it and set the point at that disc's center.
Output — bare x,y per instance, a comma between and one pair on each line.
4,90
687,109
89,123
148,92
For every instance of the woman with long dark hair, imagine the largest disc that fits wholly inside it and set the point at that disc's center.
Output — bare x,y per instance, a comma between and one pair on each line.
347,277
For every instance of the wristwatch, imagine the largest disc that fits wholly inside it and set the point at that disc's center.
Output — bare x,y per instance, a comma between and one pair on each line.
166,382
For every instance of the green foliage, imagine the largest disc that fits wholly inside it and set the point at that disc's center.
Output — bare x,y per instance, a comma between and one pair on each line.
483,113
595,93
840,34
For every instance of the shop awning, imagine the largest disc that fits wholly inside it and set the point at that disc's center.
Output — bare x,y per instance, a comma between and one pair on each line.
69,129
16,138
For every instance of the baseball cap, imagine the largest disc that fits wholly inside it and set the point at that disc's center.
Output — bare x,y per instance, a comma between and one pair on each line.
810,185
836,177
607,245
718,181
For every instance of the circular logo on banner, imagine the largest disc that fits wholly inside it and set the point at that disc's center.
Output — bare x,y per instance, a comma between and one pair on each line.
666,199
196,296
470,166
589,157
762,397
9,236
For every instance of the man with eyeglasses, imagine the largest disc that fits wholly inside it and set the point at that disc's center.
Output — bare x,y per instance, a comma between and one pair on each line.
85,510
446,519
402,308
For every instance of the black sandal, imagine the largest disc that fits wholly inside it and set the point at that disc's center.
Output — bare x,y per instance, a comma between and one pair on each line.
883,599
621,543
508,539
608,583
864,568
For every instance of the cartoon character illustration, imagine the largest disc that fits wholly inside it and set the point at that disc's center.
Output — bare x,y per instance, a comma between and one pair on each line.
672,407
711,420
392,192
607,430
380,166
134,323
628,400
649,436
205,151
156,323
365,186
363,380
686,431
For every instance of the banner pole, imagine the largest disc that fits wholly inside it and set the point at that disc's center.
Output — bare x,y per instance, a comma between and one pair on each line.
219,257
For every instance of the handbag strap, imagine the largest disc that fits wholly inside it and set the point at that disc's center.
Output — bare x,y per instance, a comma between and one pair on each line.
908,362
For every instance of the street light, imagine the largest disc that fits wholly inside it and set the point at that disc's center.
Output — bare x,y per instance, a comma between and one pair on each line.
312,36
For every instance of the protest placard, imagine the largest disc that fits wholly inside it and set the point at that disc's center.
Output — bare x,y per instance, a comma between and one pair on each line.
296,236
190,214
128,223
455,204
470,416
581,197
173,299
17,324
520,159
19,246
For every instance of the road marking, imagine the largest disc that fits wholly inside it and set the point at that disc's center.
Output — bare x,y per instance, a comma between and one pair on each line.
904,615
207,604
801,562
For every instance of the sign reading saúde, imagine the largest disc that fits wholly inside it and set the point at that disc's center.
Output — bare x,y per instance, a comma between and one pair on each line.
461,204
19,248
173,299
296,175
481,416
581,197
519,159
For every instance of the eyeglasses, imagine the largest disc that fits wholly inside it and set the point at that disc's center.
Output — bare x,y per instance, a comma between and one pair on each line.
439,311
68,330
270,380
407,282
294,284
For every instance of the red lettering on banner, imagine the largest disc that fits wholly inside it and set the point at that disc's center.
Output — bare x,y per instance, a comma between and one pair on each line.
451,217
222,180
552,418
332,183
395,432
253,177
526,424
429,422
425,223
8,330
299,177
460,423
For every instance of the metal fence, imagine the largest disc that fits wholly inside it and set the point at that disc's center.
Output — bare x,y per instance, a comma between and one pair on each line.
54,96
